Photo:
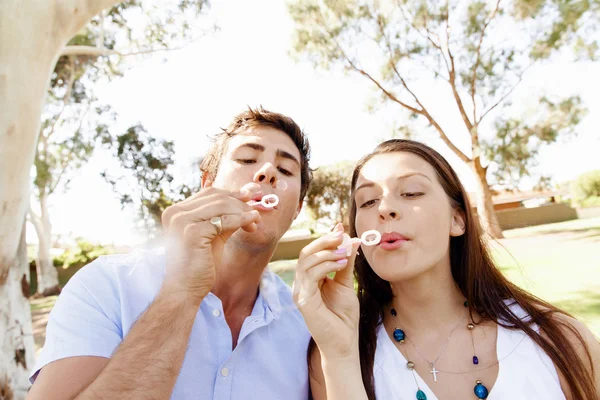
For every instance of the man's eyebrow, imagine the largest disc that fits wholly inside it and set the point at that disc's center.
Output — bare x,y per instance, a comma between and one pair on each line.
280,153
254,146
289,156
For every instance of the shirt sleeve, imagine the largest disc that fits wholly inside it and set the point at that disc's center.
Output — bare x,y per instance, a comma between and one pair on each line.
85,320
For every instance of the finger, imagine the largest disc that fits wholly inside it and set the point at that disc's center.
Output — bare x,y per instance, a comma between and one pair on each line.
204,212
203,197
321,257
346,276
326,242
308,285
204,232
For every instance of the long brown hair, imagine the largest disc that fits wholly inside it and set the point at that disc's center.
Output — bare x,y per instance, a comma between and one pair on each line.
479,280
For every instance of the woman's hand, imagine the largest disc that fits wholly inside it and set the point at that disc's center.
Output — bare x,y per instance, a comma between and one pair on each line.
329,306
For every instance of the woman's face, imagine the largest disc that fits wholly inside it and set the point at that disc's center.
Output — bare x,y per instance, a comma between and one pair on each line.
399,195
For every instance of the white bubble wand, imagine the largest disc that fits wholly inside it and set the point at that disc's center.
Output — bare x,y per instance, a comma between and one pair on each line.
269,200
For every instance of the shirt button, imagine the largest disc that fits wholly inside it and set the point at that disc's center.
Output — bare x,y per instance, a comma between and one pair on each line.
216,312
224,372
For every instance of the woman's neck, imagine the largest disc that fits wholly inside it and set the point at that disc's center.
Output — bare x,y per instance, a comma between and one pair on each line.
427,303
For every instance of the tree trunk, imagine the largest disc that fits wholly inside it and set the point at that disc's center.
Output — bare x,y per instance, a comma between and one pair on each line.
485,204
47,276
32,35
17,351
27,57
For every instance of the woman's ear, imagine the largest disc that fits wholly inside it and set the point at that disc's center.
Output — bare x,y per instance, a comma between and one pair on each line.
458,223
206,180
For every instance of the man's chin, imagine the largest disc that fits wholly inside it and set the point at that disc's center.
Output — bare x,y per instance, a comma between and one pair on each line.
258,240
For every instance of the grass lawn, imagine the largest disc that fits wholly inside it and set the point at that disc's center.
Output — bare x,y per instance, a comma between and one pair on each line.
559,263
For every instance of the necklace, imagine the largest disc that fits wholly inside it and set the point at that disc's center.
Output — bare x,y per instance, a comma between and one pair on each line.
440,352
400,336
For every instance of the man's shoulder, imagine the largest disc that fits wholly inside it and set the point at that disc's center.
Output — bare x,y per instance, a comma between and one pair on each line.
123,271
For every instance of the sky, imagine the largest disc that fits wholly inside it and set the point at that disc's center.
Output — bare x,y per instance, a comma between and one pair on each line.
188,94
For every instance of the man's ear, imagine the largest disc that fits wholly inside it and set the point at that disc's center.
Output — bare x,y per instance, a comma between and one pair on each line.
299,209
458,223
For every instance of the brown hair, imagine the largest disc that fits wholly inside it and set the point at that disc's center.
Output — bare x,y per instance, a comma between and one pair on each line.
260,117
475,274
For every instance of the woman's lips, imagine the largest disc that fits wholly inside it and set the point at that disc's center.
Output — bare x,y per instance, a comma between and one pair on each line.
392,241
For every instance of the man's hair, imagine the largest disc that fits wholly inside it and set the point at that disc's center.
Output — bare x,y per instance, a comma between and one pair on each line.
255,118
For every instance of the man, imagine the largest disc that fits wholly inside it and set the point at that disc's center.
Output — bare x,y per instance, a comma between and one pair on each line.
204,319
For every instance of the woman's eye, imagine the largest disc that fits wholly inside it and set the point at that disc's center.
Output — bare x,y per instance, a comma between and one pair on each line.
245,161
368,203
411,195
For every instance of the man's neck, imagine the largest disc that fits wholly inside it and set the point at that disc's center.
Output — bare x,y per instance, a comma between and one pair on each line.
237,282
239,275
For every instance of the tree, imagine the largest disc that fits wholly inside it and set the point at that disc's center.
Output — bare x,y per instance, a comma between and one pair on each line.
72,120
148,185
329,194
462,46
33,36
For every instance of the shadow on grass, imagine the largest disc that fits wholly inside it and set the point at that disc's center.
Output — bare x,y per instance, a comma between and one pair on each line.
584,303
588,234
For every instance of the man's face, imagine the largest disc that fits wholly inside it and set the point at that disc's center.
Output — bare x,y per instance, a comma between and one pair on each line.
270,159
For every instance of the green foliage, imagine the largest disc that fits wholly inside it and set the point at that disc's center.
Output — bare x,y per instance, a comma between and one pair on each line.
593,201
328,197
585,190
147,184
514,149
83,253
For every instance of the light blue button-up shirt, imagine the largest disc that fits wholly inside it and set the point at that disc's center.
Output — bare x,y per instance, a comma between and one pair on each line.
102,301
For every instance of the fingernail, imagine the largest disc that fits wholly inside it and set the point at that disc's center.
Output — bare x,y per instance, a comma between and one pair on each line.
342,261
244,192
336,234
340,251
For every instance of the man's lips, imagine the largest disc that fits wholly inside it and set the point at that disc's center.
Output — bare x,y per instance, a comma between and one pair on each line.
256,199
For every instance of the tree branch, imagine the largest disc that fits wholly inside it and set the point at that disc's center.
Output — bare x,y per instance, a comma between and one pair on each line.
422,111
506,94
69,158
72,15
36,221
478,60
66,97
426,37
100,51
452,80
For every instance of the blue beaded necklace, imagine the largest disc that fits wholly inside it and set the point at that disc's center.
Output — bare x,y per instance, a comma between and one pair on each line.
480,390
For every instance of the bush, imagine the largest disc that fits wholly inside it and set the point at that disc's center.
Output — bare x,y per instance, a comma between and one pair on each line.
593,201
69,262
586,186
83,253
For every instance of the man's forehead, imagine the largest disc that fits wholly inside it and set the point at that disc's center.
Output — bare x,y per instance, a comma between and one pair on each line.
267,137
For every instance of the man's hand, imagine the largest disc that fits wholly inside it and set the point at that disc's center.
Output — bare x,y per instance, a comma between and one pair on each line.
195,244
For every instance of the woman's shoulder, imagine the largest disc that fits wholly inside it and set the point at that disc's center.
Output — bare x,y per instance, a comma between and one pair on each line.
581,338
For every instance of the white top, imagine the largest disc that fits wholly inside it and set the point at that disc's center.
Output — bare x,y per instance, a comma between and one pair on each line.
526,373
99,305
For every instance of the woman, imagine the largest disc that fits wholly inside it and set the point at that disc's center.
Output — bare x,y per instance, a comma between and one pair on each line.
434,317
